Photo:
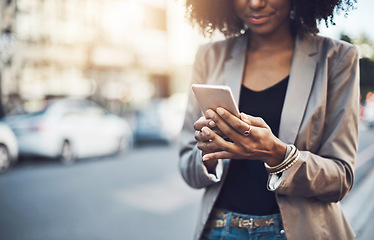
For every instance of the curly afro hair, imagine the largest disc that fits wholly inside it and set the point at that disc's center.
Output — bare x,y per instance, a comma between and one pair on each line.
212,15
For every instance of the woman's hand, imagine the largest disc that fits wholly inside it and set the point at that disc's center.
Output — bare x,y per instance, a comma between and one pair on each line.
202,136
252,138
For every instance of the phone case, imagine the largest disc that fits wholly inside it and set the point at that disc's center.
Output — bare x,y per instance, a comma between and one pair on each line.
214,96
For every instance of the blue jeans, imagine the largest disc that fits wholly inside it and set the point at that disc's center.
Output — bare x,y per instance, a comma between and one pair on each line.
272,232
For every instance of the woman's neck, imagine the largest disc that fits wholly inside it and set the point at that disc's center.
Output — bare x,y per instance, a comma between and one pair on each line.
278,41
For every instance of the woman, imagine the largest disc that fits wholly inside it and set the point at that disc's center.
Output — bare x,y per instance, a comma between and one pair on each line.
280,170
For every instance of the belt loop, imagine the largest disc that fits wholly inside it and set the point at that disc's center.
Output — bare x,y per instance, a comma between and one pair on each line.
228,220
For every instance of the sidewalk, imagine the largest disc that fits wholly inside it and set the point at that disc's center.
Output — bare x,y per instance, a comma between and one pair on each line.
358,206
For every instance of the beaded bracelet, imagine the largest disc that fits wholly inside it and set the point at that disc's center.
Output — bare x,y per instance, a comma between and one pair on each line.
288,166
289,160
290,152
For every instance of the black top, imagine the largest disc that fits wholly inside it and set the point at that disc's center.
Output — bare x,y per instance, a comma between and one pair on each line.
245,188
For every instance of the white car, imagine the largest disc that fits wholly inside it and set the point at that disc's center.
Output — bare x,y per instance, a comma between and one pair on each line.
8,147
69,129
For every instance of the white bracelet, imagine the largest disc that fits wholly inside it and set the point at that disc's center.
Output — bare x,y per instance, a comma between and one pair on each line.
291,157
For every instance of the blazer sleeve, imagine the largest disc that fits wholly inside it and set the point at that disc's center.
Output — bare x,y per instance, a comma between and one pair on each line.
328,174
190,157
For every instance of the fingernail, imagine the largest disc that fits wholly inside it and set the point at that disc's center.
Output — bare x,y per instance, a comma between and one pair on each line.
244,116
205,131
205,158
220,111
209,113
212,124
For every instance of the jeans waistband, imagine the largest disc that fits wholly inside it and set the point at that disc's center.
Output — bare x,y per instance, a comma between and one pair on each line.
220,218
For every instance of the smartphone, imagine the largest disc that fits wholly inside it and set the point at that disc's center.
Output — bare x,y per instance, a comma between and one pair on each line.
214,96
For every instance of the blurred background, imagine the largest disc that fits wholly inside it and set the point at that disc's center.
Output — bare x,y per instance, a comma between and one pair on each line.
93,94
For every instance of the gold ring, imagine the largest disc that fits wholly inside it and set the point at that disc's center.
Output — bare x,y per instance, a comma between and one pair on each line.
246,133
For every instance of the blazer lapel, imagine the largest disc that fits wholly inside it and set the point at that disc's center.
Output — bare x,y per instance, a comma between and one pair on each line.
299,87
233,68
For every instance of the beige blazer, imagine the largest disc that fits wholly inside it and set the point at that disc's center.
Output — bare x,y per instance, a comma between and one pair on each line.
320,116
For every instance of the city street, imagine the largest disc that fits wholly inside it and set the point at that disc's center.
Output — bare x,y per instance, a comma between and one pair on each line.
138,195
95,77
135,196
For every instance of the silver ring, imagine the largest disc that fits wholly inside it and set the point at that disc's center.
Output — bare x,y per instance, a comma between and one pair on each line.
246,133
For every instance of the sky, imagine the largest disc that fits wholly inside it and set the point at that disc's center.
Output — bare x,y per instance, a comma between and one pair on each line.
359,21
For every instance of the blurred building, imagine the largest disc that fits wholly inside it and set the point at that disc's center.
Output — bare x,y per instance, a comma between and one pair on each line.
7,10
119,52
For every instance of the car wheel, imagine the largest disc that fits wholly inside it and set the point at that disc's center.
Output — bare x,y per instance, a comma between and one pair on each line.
5,160
67,156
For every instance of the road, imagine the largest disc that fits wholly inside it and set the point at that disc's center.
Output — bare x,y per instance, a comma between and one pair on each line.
358,206
137,196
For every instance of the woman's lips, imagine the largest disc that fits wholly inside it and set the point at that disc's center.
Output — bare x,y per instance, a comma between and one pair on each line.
258,19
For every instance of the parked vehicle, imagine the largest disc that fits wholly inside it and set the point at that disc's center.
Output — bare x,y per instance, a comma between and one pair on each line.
69,129
150,126
161,120
369,114
8,147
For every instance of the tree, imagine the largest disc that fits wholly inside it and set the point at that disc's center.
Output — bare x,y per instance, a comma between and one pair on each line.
366,76
366,62
346,38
